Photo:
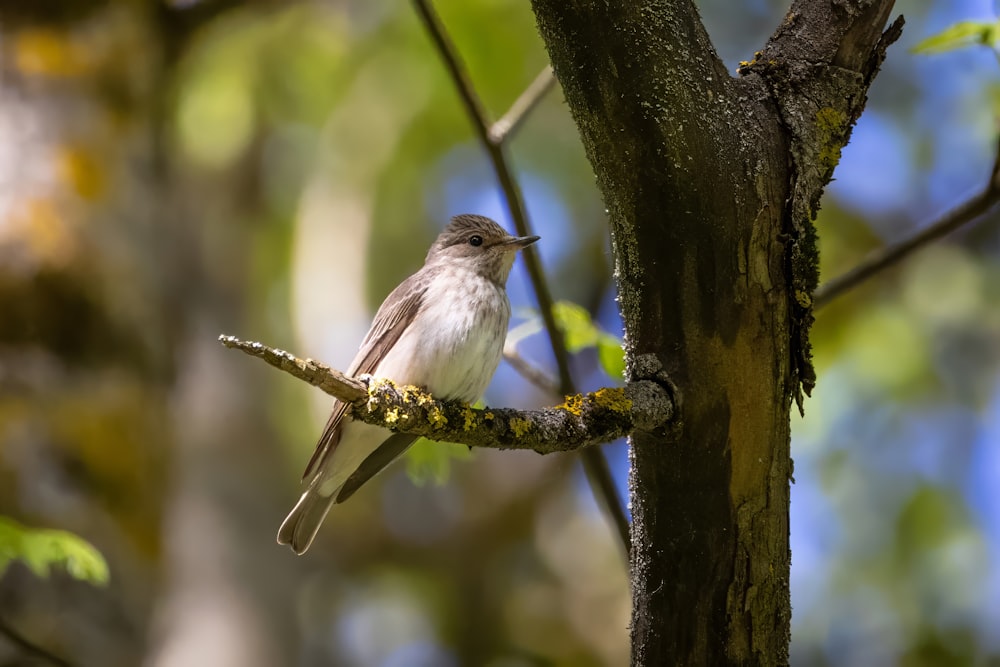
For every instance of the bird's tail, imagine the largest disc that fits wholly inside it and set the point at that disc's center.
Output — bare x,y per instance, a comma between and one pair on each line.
300,526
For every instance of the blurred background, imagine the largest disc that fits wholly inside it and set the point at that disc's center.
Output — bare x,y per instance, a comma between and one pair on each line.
170,171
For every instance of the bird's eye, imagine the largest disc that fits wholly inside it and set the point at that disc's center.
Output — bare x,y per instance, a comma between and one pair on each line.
476,240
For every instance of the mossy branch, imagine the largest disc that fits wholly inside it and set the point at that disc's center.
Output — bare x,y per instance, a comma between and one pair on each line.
582,420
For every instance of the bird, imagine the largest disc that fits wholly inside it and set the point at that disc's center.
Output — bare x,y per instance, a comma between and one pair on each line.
442,329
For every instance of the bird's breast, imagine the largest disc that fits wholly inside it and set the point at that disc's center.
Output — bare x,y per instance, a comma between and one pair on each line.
455,342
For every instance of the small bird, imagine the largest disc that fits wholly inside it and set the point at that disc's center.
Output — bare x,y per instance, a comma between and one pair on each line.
442,329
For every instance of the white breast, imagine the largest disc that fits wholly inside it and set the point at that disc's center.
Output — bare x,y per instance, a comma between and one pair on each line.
454,345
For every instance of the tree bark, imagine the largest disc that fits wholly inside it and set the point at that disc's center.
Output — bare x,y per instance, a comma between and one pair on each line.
711,182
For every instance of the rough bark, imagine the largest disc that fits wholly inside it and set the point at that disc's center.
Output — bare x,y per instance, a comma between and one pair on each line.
711,182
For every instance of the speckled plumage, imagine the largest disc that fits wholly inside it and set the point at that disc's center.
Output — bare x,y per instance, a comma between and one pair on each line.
442,329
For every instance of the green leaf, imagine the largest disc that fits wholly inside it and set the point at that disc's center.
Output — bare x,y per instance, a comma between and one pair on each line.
579,333
10,543
428,461
960,35
42,549
575,323
611,355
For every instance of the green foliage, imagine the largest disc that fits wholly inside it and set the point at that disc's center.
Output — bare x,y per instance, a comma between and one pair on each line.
961,35
611,355
580,332
428,461
41,549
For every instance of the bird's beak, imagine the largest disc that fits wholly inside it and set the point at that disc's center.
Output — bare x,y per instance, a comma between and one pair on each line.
519,242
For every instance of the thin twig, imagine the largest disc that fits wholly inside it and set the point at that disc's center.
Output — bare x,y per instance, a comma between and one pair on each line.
530,372
581,421
29,647
511,190
891,255
532,95
594,463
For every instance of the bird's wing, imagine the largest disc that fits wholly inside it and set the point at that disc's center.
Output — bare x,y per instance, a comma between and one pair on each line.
386,453
393,317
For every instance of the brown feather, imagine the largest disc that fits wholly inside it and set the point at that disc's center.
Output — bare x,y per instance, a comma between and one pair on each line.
386,453
391,320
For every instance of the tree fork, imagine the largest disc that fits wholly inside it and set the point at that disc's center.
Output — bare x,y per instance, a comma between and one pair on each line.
715,265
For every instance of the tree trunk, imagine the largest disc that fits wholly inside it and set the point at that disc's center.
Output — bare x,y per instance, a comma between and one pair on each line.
711,182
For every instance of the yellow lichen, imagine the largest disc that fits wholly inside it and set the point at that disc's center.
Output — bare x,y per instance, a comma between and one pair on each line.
613,398
573,404
830,120
470,418
520,427
415,395
436,418
375,387
391,416
831,125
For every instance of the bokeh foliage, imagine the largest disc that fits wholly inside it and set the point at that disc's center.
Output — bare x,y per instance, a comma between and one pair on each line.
173,171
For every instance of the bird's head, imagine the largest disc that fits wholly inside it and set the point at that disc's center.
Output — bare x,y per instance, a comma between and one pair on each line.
479,244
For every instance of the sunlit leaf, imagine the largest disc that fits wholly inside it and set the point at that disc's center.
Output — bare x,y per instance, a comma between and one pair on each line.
580,332
960,35
611,355
215,114
576,325
215,117
41,550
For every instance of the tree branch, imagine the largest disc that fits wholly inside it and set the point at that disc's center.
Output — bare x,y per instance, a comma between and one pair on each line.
530,372
594,463
819,80
581,421
511,190
532,95
892,254
29,647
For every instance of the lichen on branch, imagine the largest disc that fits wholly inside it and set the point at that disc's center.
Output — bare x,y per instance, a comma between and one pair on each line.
582,420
